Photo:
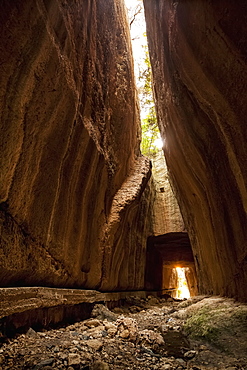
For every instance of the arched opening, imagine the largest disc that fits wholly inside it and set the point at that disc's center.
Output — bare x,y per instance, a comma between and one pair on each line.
170,267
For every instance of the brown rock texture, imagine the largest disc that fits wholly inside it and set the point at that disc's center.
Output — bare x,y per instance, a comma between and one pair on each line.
198,56
23,307
126,232
69,140
17,300
166,213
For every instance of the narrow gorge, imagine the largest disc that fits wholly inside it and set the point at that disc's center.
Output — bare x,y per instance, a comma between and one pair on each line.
85,217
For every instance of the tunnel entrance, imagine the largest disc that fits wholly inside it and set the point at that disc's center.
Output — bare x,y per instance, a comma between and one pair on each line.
170,267
182,290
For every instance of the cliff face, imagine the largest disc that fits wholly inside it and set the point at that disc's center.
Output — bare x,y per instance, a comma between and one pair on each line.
198,55
166,213
69,141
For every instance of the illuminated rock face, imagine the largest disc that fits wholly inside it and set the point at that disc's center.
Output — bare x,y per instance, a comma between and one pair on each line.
69,144
166,213
198,56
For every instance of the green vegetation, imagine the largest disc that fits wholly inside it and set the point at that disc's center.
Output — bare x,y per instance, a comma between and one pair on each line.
150,133
150,130
220,323
201,325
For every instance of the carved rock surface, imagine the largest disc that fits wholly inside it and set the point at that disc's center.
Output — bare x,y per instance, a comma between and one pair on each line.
198,56
22,308
69,140
18,300
166,213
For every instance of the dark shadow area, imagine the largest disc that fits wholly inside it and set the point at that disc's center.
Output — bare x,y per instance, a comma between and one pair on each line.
43,318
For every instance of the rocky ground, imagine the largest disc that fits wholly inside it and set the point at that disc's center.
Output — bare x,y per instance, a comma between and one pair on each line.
200,333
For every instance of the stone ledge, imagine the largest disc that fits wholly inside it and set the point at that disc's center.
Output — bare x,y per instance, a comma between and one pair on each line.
21,299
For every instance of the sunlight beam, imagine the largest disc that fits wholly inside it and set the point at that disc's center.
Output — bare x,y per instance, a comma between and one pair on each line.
182,290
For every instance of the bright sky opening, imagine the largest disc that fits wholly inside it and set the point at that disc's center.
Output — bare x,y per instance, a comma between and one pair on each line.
139,47
137,31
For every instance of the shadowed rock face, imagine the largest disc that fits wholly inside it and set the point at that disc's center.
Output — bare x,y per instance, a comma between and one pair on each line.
69,141
198,56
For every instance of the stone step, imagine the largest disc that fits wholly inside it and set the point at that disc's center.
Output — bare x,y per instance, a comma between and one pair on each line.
24,307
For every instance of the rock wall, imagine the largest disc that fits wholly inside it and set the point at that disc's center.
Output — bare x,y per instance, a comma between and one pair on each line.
166,213
198,56
69,141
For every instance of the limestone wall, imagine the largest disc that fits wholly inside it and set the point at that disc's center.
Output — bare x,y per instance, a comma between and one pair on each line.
166,213
69,141
198,56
